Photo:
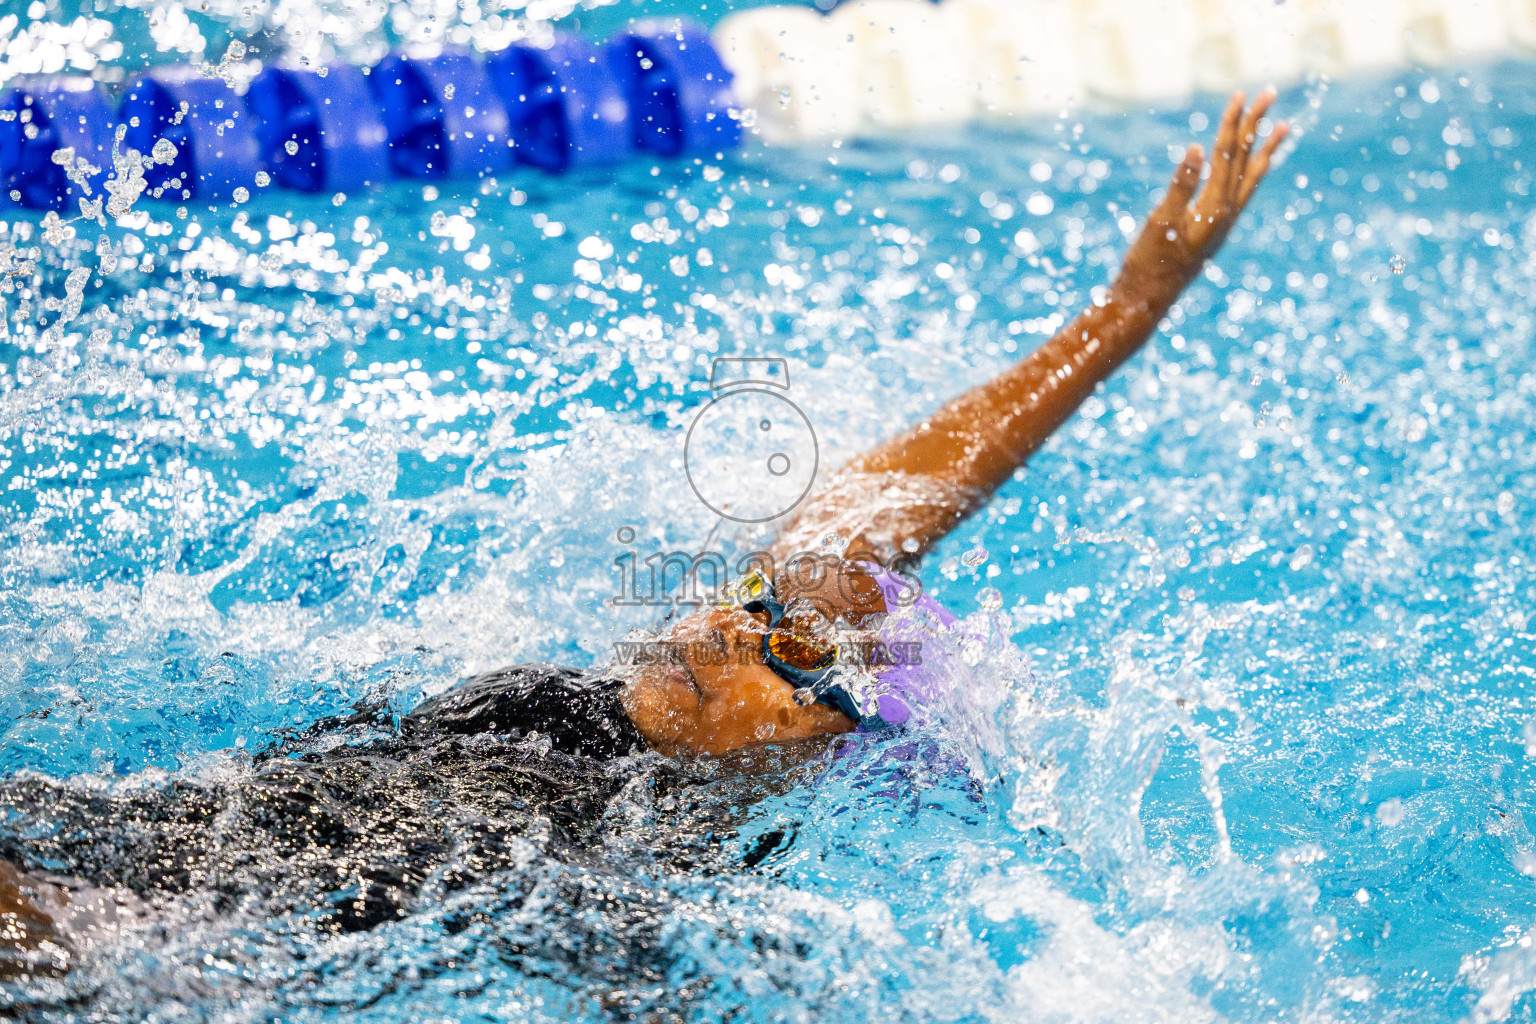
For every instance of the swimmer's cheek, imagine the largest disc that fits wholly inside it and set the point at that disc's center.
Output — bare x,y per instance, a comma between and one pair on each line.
663,708
764,712
739,706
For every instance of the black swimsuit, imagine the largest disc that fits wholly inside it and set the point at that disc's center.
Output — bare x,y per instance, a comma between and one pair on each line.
355,820
549,857
580,714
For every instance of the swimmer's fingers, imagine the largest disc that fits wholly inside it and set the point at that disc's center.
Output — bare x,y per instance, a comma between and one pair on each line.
1258,166
1215,202
1247,135
1249,132
1186,179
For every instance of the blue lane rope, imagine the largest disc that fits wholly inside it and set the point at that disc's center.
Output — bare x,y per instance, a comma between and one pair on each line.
319,133
443,117
656,88
566,107
46,116
213,133
680,93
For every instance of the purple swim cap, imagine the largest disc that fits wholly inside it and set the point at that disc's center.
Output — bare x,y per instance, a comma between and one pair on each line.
913,620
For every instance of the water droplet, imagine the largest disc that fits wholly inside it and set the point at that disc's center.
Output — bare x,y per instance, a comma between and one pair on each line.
164,151
990,599
764,732
974,557
911,545
448,91
241,194
263,179
291,147
833,544
1302,558
805,696
1398,264
322,70
236,50
338,198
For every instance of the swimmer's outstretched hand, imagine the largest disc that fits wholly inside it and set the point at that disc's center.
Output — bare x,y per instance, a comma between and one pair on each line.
1187,229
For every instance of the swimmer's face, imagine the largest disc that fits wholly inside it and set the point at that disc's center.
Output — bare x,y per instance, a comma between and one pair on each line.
723,697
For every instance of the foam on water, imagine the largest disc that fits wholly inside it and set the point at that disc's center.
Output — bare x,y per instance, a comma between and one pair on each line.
1250,739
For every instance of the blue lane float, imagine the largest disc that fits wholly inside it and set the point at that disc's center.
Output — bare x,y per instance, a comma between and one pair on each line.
320,133
213,133
443,116
680,95
42,117
658,87
566,107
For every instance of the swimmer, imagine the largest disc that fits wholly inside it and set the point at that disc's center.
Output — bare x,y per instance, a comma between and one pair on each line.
346,822
908,493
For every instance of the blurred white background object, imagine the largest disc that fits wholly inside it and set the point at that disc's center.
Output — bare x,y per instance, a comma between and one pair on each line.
794,69
1025,55
913,62
1138,49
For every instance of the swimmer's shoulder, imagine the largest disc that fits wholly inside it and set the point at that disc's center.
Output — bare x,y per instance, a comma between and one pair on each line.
579,712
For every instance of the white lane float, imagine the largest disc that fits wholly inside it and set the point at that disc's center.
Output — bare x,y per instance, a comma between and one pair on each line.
1024,55
1138,50
1243,43
913,62
880,65
1441,31
1344,36
793,71
1520,20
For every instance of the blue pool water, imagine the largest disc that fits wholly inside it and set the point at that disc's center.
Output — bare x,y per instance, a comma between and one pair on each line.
1252,739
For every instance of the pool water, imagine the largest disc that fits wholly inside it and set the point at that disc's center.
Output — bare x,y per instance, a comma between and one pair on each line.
1250,736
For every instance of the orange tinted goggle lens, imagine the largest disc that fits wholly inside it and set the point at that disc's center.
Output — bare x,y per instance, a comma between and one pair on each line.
802,651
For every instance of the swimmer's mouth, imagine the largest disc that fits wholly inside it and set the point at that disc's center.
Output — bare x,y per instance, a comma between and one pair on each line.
685,670
680,671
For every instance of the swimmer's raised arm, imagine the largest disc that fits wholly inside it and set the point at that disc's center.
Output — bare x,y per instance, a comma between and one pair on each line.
904,495
909,492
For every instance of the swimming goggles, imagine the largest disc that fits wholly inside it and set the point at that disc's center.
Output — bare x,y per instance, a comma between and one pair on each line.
800,657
